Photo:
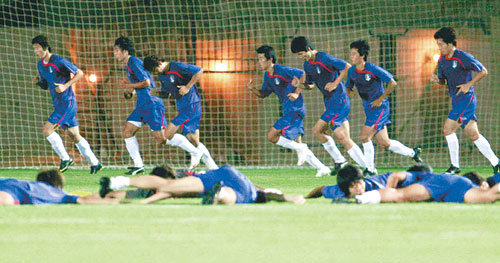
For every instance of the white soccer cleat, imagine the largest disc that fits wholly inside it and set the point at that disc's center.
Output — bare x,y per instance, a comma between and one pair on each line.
323,171
195,159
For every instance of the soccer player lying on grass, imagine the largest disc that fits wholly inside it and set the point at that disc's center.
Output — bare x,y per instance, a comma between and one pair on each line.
352,173
47,189
225,185
435,187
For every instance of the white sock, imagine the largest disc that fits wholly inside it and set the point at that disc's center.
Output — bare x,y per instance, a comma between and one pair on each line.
334,152
485,148
207,158
312,160
400,148
84,148
182,142
357,155
370,197
454,147
369,152
284,142
119,182
58,146
133,149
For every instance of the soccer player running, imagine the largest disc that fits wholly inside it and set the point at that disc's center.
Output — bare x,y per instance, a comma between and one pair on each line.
225,185
149,109
47,189
455,69
178,81
287,131
58,75
327,73
369,80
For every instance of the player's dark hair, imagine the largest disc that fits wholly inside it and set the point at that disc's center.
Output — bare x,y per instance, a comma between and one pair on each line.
347,177
151,62
42,41
447,34
420,167
491,181
53,177
125,43
362,47
261,197
475,177
300,44
164,172
268,52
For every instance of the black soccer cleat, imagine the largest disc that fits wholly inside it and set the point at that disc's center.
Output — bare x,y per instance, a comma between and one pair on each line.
104,189
65,164
368,173
95,168
344,200
496,168
210,195
135,170
337,168
453,170
416,156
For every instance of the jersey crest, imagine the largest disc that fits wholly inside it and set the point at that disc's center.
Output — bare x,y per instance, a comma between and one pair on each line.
276,81
172,79
50,69
455,64
318,70
368,77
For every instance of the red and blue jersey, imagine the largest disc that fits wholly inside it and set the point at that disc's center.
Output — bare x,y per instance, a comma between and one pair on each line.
369,82
280,82
136,73
58,70
35,193
179,74
457,70
324,69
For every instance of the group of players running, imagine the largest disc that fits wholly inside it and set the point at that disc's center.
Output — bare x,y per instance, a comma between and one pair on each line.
455,68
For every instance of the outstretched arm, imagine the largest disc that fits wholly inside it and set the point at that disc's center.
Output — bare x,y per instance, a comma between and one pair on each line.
156,197
315,193
96,199
394,179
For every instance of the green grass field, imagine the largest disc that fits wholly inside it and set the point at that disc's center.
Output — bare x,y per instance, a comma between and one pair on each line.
181,230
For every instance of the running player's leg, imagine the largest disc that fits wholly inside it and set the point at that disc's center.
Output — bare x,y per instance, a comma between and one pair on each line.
472,131
207,157
320,132
369,151
84,147
342,135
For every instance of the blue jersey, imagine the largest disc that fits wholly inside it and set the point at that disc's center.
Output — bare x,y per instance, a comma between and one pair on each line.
458,69
369,82
281,84
324,69
375,182
35,193
58,70
136,73
179,74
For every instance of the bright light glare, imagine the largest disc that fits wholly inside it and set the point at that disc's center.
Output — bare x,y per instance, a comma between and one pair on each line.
436,57
92,78
221,66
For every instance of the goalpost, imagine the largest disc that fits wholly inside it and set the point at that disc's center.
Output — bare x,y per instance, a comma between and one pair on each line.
221,37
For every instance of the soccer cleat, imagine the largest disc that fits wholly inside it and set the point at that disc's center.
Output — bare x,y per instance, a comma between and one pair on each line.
345,200
95,168
104,189
210,195
416,156
65,164
496,168
323,171
453,170
195,159
368,173
337,168
135,170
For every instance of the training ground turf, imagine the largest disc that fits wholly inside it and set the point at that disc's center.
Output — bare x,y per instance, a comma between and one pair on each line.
181,230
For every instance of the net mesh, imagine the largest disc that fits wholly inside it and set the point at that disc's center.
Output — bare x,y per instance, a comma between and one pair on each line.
221,37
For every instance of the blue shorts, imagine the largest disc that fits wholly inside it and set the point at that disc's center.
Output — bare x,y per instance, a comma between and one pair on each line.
336,113
377,116
245,190
65,117
447,187
291,125
152,113
463,108
188,118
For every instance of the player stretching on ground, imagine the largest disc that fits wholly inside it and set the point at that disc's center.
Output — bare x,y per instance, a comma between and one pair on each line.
278,79
369,81
455,70
178,81
149,109
58,74
327,73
